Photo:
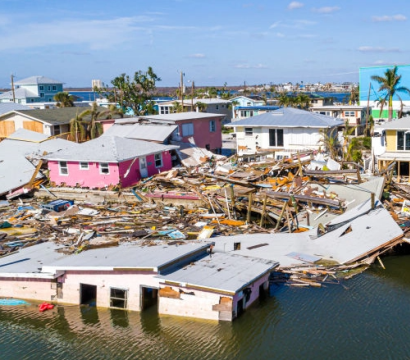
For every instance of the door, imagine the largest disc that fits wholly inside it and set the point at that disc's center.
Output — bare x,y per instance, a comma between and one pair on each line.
143,167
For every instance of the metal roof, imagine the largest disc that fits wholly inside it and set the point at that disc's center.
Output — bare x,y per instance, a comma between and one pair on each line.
225,272
289,117
27,262
258,107
10,106
15,169
129,256
27,135
189,115
398,124
19,93
35,80
109,149
150,132
339,107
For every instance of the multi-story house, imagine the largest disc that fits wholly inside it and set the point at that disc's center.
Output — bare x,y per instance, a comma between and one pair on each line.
35,89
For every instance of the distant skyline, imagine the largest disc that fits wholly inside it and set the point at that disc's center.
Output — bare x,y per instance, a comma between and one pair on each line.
212,42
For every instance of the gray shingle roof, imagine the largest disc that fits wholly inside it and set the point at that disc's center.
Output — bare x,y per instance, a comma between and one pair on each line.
289,117
58,116
109,149
150,132
27,135
34,80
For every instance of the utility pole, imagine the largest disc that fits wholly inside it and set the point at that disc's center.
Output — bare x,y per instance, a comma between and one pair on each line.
182,88
12,88
192,92
368,108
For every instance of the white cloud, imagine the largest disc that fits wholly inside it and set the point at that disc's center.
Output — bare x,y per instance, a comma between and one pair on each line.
96,34
384,18
379,62
326,9
197,56
295,5
247,66
295,24
275,24
377,49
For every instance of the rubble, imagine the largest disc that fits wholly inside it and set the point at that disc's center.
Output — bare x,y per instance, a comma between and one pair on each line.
223,198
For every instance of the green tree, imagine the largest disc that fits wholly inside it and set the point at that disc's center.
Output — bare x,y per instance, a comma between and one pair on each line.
330,142
93,128
132,92
390,84
284,99
381,102
200,106
177,107
64,99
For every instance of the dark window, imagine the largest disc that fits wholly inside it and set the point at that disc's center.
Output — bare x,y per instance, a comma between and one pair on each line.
275,137
158,160
272,137
279,137
248,131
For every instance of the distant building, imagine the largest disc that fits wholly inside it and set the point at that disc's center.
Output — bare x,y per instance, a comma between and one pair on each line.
33,90
96,84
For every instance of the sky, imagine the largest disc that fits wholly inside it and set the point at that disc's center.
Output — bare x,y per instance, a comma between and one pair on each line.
211,41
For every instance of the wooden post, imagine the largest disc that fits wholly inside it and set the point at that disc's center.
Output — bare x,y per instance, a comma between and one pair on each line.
192,100
233,202
248,217
288,218
359,179
12,88
380,261
372,200
281,215
398,171
263,210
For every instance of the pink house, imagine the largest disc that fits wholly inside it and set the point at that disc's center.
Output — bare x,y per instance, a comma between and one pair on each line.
204,128
109,160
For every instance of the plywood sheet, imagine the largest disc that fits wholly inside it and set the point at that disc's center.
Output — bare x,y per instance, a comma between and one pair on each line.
33,126
7,128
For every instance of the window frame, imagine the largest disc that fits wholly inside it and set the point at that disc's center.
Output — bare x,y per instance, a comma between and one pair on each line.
60,168
276,138
41,87
104,166
212,126
248,131
189,133
160,159
54,88
120,299
81,163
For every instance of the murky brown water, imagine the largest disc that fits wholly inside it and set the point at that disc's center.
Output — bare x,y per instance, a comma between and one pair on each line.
369,319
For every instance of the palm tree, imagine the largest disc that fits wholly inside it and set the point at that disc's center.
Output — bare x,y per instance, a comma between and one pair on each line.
200,106
64,99
330,142
284,99
381,102
178,108
354,96
77,129
390,84
93,128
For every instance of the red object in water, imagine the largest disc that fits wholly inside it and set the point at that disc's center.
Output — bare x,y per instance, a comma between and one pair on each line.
45,306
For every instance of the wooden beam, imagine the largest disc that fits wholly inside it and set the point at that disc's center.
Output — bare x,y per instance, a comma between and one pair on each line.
304,198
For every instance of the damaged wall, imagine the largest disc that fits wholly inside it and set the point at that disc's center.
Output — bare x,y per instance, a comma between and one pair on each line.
29,289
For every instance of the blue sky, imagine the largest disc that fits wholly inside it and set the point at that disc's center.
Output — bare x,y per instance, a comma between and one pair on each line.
213,42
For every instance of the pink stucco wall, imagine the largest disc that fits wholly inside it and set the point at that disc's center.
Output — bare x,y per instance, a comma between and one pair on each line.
29,289
202,134
94,179
106,124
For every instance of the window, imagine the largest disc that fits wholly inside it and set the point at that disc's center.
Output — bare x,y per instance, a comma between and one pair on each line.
350,113
164,109
118,298
212,126
248,131
83,165
104,169
63,168
403,141
187,129
54,88
41,94
48,88
216,107
158,160
41,87
275,137
57,130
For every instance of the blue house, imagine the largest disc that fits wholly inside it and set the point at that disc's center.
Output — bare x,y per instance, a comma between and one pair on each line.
35,89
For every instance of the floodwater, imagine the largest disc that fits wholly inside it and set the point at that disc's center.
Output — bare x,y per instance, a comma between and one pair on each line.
366,317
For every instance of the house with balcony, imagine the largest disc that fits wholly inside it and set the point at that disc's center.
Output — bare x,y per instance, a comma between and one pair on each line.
391,142
34,89
286,129
355,115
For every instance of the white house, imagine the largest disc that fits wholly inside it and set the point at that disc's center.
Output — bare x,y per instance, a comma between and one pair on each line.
285,129
32,90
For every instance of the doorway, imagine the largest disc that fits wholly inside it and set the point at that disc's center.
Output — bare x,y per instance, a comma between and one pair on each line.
88,294
149,297
143,167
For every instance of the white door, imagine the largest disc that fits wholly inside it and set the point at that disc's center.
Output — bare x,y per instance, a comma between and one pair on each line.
143,167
